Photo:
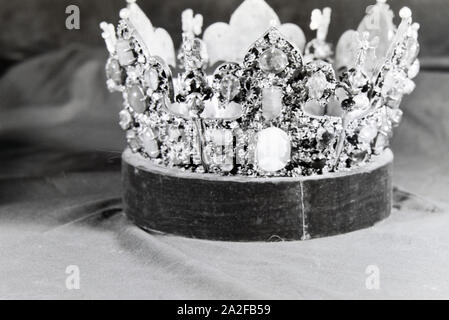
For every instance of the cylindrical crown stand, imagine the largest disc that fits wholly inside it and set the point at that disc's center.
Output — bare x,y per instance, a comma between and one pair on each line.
206,206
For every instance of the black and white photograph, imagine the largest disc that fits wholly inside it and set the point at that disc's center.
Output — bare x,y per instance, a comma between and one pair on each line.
242,151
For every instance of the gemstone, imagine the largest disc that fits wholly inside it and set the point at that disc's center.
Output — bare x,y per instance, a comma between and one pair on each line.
396,84
273,60
322,51
227,165
358,79
179,109
229,87
361,102
395,116
114,72
125,119
318,49
414,69
213,110
136,99
408,86
368,133
150,144
325,137
272,102
132,140
381,143
316,85
174,134
151,78
313,108
124,53
273,149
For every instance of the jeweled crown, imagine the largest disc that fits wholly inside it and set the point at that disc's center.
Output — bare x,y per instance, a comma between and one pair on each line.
273,105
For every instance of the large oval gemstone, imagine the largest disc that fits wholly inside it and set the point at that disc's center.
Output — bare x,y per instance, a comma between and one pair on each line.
272,102
273,149
273,60
136,99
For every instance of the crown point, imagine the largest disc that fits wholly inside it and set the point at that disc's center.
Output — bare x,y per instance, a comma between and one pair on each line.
405,13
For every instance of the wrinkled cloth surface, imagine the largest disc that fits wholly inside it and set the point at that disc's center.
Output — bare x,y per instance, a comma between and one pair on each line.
60,206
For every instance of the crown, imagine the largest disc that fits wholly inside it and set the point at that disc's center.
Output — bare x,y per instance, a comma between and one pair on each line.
251,97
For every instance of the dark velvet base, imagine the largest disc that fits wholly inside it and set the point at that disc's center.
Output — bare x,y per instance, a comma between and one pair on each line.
255,209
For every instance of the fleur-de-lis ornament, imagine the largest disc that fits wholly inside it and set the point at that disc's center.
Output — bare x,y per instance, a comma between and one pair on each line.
192,25
318,48
195,89
320,22
109,36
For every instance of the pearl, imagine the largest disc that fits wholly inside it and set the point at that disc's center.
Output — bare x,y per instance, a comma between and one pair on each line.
273,149
405,13
272,102
125,120
136,99
273,60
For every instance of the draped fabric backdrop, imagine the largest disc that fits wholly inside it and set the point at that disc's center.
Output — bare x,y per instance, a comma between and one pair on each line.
60,176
